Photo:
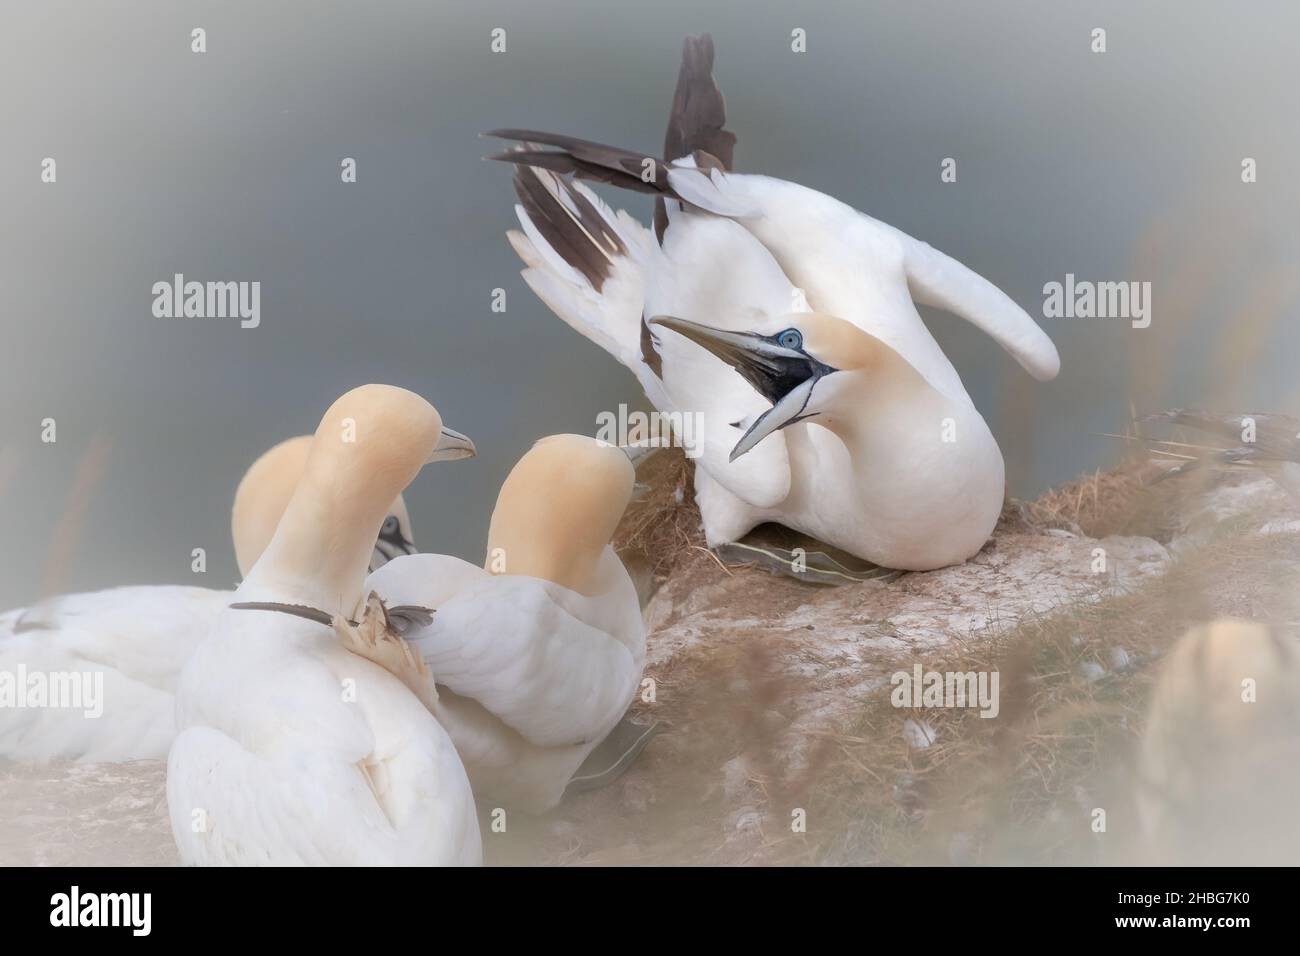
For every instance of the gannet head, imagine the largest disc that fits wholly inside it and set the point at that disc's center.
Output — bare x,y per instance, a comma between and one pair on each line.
558,509
265,489
801,366
368,447
377,437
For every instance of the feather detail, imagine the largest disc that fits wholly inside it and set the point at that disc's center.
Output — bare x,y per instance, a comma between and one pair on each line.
378,641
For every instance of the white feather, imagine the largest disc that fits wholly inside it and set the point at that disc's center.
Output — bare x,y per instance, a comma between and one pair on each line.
532,676
293,751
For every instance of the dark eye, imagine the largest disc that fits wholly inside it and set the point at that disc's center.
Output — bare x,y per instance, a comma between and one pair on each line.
390,524
790,339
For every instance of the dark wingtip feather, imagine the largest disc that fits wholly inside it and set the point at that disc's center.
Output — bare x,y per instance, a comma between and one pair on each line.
698,115
586,160
578,232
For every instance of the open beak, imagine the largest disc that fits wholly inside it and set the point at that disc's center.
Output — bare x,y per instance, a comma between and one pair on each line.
452,446
783,376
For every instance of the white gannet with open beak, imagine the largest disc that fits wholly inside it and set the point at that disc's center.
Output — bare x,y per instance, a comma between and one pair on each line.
139,637
888,459
293,748
538,656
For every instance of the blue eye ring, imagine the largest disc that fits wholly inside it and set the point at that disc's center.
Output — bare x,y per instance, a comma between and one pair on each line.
790,339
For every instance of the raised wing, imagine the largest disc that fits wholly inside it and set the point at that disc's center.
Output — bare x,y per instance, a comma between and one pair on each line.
602,273
942,282
868,272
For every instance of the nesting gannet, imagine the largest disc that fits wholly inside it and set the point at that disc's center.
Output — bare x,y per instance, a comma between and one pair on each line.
899,469
537,655
136,639
1219,768
293,749
1268,442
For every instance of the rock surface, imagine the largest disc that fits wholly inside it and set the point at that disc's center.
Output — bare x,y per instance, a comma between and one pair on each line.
751,672
843,643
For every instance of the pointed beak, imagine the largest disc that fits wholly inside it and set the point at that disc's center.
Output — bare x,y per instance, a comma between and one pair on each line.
783,376
756,358
785,412
452,446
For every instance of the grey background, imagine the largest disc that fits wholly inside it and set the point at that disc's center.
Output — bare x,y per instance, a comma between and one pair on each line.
225,166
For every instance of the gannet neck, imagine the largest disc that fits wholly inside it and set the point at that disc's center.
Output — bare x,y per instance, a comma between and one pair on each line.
557,511
264,493
369,446
887,398
262,496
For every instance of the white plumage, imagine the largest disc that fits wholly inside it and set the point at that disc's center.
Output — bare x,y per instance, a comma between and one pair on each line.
535,666
896,466
139,637
276,766
136,637
292,750
531,675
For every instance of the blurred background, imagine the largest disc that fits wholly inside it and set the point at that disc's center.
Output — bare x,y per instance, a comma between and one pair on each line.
1122,166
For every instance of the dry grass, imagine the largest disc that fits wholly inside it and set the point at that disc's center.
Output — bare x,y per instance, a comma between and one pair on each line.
662,527
1128,499
1022,788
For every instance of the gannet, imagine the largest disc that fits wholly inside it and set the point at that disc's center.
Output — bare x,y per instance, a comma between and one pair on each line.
1219,763
139,637
265,489
899,470
293,748
1267,442
537,654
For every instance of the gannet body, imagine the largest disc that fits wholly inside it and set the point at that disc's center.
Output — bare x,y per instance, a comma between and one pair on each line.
133,639
910,477
293,749
537,664
137,638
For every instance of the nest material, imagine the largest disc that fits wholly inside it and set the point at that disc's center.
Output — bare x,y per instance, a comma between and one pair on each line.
1129,499
662,525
